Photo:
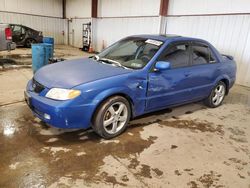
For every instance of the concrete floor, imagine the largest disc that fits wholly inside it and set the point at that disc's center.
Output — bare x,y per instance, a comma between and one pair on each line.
187,146
21,57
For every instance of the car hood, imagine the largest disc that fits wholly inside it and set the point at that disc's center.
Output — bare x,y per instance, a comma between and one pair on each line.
70,73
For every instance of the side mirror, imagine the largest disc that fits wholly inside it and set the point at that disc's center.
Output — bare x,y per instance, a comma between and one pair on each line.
162,65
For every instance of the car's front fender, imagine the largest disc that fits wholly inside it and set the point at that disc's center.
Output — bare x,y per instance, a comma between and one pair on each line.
132,86
110,92
137,103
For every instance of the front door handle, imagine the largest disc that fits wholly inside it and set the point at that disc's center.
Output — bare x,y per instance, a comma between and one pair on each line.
139,86
187,74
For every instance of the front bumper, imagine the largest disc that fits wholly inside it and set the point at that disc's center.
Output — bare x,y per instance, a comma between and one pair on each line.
61,114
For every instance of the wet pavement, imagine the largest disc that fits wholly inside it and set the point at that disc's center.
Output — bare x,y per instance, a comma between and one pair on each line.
187,146
22,58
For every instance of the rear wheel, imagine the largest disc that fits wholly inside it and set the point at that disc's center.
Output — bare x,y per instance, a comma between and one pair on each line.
29,42
112,117
217,95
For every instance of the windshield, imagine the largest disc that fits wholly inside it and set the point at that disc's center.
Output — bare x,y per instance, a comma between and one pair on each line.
133,53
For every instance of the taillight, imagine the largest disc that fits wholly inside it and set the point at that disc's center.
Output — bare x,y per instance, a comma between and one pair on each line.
8,34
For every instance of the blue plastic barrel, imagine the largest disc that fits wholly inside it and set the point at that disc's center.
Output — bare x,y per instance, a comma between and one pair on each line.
49,40
40,55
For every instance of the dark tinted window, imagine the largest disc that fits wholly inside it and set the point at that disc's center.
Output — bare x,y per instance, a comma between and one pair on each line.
23,30
17,29
177,55
202,55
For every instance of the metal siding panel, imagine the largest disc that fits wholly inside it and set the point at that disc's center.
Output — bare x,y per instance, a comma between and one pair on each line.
78,8
37,7
229,34
122,27
183,7
121,8
76,25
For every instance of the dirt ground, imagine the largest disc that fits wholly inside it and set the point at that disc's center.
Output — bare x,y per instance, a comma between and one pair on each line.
187,146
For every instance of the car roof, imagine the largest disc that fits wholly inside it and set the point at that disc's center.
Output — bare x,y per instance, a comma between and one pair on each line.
169,37
23,26
156,37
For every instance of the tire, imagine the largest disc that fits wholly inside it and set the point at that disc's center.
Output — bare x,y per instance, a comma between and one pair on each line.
29,41
111,117
217,95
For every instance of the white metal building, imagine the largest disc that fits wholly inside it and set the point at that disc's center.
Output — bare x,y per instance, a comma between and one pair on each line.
225,23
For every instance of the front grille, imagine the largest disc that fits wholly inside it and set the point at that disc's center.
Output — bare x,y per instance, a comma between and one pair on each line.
37,87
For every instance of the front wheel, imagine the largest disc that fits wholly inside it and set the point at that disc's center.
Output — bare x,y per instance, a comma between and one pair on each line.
112,117
217,95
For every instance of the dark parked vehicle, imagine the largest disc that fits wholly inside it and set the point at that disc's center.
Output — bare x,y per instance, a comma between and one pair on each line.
25,36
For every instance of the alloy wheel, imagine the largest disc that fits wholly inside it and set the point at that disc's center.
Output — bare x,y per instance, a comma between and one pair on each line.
219,94
115,117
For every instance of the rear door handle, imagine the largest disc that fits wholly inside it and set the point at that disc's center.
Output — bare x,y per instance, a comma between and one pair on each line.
187,74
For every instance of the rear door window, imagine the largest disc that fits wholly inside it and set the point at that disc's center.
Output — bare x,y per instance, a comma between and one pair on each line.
23,30
17,29
201,54
177,55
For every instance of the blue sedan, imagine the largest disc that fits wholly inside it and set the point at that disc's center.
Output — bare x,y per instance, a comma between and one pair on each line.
136,75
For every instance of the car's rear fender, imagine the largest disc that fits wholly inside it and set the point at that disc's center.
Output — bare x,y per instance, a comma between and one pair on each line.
226,79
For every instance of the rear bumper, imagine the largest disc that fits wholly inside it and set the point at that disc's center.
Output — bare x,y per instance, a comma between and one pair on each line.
232,82
62,114
11,45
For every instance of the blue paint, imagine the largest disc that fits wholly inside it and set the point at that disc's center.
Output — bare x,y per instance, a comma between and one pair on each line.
49,40
162,65
146,89
40,55
77,72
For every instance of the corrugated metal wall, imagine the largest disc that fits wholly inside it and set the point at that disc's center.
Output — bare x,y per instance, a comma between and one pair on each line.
120,8
116,19
109,30
37,7
75,31
228,33
78,8
120,18
78,12
43,15
184,7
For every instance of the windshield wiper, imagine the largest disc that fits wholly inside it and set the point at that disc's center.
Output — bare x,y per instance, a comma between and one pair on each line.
96,57
110,61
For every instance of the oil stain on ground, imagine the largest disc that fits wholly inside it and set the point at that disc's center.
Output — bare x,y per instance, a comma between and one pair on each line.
37,162
194,125
207,180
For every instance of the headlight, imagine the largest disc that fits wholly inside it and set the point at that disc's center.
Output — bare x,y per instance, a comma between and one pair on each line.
62,94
